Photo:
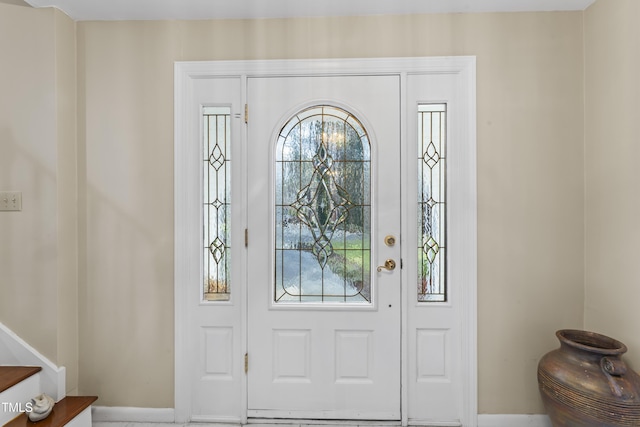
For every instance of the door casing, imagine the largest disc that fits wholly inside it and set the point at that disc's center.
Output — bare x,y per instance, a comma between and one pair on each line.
189,78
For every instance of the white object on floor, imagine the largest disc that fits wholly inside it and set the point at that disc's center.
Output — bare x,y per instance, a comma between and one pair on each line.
42,405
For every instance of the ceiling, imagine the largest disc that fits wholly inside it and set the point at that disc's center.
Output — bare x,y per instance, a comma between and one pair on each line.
103,10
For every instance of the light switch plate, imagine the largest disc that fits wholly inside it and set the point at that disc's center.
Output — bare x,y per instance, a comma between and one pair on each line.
10,200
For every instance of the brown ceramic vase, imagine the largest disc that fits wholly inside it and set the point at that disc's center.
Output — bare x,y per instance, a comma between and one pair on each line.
586,383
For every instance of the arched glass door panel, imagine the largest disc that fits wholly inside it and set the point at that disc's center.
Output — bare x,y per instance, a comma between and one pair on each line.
323,209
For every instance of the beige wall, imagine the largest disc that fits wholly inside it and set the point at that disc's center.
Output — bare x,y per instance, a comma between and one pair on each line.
533,278
126,212
116,256
38,283
612,132
530,181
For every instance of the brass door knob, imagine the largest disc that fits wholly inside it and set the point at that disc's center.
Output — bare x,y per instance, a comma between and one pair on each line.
389,240
388,265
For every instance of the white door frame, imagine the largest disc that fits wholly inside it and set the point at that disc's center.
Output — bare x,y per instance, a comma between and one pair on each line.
187,226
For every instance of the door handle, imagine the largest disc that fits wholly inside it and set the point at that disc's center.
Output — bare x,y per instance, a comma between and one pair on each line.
388,265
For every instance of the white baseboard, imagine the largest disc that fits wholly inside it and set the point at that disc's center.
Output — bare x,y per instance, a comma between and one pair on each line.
110,414
15,351
513,420
83,419
151,416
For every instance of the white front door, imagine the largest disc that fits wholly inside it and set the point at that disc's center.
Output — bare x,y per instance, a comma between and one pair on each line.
324,322
293,205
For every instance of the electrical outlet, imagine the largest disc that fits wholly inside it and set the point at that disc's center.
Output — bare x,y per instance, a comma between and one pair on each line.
10,200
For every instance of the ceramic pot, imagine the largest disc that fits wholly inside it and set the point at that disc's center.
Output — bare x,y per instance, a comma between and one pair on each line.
586,383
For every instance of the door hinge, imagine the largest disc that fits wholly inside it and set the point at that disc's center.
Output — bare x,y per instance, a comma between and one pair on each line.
246,237
246,363
246,113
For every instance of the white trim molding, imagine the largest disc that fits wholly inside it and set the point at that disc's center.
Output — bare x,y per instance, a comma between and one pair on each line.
15,351
114,414
513,420
122,417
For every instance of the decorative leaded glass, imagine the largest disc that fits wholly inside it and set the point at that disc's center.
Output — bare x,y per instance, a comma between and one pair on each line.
217,203
432,202
323,209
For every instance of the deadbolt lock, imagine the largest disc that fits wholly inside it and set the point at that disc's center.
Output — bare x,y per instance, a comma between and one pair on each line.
390,240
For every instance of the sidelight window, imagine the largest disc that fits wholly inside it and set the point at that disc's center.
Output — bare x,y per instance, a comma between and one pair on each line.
432,205
217,203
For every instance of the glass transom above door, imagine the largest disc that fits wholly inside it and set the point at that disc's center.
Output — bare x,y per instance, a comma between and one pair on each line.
322,209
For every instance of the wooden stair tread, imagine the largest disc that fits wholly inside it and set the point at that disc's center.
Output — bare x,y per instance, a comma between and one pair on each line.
12,375
63,412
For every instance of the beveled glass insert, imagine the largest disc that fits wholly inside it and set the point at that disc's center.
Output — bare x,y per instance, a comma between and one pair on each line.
432,217
323,209
216,202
